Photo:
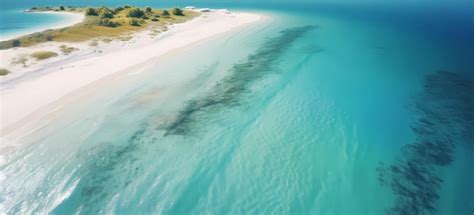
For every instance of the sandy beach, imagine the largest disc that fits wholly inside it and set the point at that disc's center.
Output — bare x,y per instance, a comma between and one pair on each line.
28,89
237,107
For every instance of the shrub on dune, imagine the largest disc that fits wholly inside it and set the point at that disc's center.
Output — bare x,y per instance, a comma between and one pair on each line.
118,9
134,22
91,12
104,10
136,13
4,72
67,50
107,23
106,15
178,12
43,55
93,44
16,43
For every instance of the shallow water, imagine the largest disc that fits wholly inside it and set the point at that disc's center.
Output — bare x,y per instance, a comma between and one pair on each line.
13,22
316,112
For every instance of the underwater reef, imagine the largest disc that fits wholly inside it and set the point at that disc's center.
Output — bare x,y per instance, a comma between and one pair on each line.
446,119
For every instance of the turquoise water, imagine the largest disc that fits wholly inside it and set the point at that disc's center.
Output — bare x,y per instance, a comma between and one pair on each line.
323,110
25,23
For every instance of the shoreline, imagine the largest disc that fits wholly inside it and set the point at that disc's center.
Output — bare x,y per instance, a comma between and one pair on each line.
85,69
68,19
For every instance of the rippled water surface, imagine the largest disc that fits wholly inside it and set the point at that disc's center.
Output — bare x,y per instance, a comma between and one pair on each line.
311,111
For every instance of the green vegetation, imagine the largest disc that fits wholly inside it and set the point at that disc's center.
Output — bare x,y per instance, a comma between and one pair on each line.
106,40
4,72
136,13
22,59
107,23
178,12
101,22
125,38
61,7
43,55
107,15
118,9
91,12
134,22
67,50
154,32
16,43
93,44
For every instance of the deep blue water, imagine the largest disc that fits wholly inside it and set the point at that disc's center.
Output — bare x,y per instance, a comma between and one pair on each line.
328,109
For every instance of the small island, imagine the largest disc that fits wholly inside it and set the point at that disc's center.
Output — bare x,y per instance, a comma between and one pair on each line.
103,22
98,45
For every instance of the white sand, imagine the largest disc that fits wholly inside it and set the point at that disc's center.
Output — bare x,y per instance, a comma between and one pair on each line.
68,19
27,90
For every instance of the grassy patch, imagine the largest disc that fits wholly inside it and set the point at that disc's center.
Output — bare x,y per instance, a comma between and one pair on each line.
4,72
154,32
106,40
66,49
101,22
125,38
22,59
93,43
43,55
